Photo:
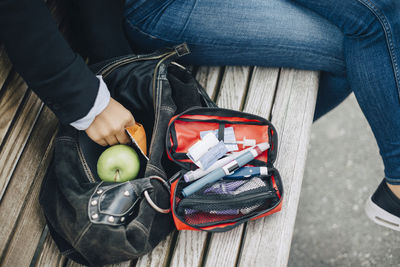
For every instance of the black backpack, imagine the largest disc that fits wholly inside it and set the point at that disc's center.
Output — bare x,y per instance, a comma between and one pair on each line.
96,223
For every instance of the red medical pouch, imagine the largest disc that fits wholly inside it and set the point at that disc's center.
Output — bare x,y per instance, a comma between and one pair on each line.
227,203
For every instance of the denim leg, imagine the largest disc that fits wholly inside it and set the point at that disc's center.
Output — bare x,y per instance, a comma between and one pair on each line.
265,33
333,89
372,53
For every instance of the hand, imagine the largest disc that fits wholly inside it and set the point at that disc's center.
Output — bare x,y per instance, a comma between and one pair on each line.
108,128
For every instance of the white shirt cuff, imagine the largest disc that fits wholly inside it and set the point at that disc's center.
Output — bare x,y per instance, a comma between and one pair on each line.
101,102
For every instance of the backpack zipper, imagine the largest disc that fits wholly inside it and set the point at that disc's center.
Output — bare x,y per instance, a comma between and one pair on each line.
106,71
155,102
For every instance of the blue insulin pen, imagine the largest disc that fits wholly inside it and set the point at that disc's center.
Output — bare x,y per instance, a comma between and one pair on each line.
228,169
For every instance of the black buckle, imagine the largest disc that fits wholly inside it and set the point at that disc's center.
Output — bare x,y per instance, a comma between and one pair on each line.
182,49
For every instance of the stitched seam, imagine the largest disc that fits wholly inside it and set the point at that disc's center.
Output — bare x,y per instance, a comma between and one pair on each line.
167,108
388,36
68,251
187,20
154,168
85,166
64,139
139,30
79,238
141,227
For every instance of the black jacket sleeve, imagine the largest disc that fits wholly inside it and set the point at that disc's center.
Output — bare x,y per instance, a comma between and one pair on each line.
97,26
43,58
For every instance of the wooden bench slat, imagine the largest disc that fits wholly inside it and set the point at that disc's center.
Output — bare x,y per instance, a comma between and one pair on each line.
5,66
158,256
224,247
232,91
189,248
190,245
262,91
50,256
267,241
31,221
23,222
16,141
234,79
208,78
10,101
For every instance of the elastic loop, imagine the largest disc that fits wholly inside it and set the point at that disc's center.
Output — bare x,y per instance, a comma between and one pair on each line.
151,203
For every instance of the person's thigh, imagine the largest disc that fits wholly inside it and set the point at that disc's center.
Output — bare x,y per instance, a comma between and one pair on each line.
276,33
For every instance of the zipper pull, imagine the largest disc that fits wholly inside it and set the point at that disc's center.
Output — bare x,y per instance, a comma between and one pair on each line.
174,177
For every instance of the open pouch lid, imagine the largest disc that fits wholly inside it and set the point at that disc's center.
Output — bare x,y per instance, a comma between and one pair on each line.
187,128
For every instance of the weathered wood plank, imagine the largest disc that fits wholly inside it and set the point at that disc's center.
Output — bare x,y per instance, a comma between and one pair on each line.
50,255
267,241
16,141
22,222
190,245
122,264
158,257
31,221
262,91
232,93
208,77
5,66
224,247
189,248
10,101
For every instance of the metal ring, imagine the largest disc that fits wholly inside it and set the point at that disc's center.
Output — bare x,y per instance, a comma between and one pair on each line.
153,205
164,183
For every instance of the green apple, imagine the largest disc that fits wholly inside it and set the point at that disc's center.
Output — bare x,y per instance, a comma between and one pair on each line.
118,163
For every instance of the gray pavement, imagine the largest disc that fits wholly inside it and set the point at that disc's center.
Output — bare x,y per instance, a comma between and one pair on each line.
343,169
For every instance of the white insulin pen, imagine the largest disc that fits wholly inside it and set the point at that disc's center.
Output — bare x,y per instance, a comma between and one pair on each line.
196,174
227,169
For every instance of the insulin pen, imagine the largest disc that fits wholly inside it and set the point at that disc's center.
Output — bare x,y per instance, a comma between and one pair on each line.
228,169
194,175
247,172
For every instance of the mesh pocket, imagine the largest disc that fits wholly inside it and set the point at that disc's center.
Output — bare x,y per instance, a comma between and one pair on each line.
227,200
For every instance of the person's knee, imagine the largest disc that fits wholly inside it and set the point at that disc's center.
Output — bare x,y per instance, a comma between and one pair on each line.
367,17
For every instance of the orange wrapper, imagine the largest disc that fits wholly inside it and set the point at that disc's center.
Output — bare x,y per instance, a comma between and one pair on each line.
138,137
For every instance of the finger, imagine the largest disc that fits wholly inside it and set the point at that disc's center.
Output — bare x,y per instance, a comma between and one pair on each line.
102,142
111,140
96,138
122,137
130,120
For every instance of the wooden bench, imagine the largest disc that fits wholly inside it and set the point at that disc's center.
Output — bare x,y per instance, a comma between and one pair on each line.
27,132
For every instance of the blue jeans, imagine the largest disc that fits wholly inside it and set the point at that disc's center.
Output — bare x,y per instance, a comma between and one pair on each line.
354,43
